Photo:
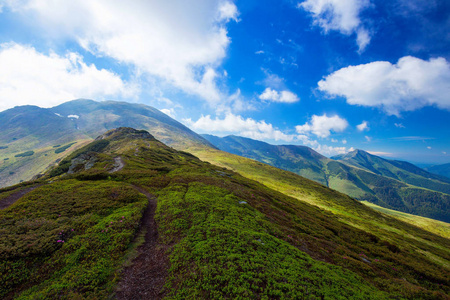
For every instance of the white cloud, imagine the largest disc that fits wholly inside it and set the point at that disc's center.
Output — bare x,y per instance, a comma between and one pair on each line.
322,126
282,96
231,123
344,141
259,52
399,125
363,126
339,15
380,153
368,138
30,77
429,147
169,111
330,151
73,116
273,80
410,84
178,41
228,11
334,140
443,152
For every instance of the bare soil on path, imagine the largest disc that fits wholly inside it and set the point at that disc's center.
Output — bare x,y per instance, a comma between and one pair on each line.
145,277
11,199
118,164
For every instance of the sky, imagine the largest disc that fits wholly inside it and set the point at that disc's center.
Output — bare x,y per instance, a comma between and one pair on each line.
334,75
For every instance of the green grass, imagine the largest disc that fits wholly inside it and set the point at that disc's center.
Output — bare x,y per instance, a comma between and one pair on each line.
431,225
347,209
229,250
67,239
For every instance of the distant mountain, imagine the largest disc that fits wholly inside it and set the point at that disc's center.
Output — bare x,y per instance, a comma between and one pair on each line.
73,124
443,170
298,159
358,174
127,217
399,170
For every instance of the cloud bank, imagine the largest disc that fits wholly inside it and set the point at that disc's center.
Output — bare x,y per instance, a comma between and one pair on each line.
178,41
410,84
259,130
30,77
231,123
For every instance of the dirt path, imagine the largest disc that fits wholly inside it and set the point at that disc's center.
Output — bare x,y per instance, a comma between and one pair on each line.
146,276
118,164
11,199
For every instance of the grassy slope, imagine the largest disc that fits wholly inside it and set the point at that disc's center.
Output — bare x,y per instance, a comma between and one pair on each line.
431,225
16,169
229,236
348,210
96,221
442,170
360,175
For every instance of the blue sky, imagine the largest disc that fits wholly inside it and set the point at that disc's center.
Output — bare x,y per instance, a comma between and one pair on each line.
334,75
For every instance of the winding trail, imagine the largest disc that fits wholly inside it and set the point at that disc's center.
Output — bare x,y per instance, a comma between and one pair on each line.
11,199
145,277
118,164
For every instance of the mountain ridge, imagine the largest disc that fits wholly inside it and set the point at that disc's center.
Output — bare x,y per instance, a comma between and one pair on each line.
30,128
355,177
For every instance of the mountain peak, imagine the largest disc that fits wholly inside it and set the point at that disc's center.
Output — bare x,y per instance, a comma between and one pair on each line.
125,132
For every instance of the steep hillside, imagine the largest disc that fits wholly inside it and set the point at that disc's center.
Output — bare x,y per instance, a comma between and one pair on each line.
399,170
366,180
44,131
220,235
442,170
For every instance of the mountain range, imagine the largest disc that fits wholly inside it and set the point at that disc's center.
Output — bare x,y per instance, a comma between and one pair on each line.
392,184
443,170
71,125
127,217
34,139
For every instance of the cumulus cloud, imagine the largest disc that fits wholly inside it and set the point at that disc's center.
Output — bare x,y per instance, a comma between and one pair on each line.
231,123
339,15
276,96
30,77
228,11
169,111
178,41
363,126
322,126
410,84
